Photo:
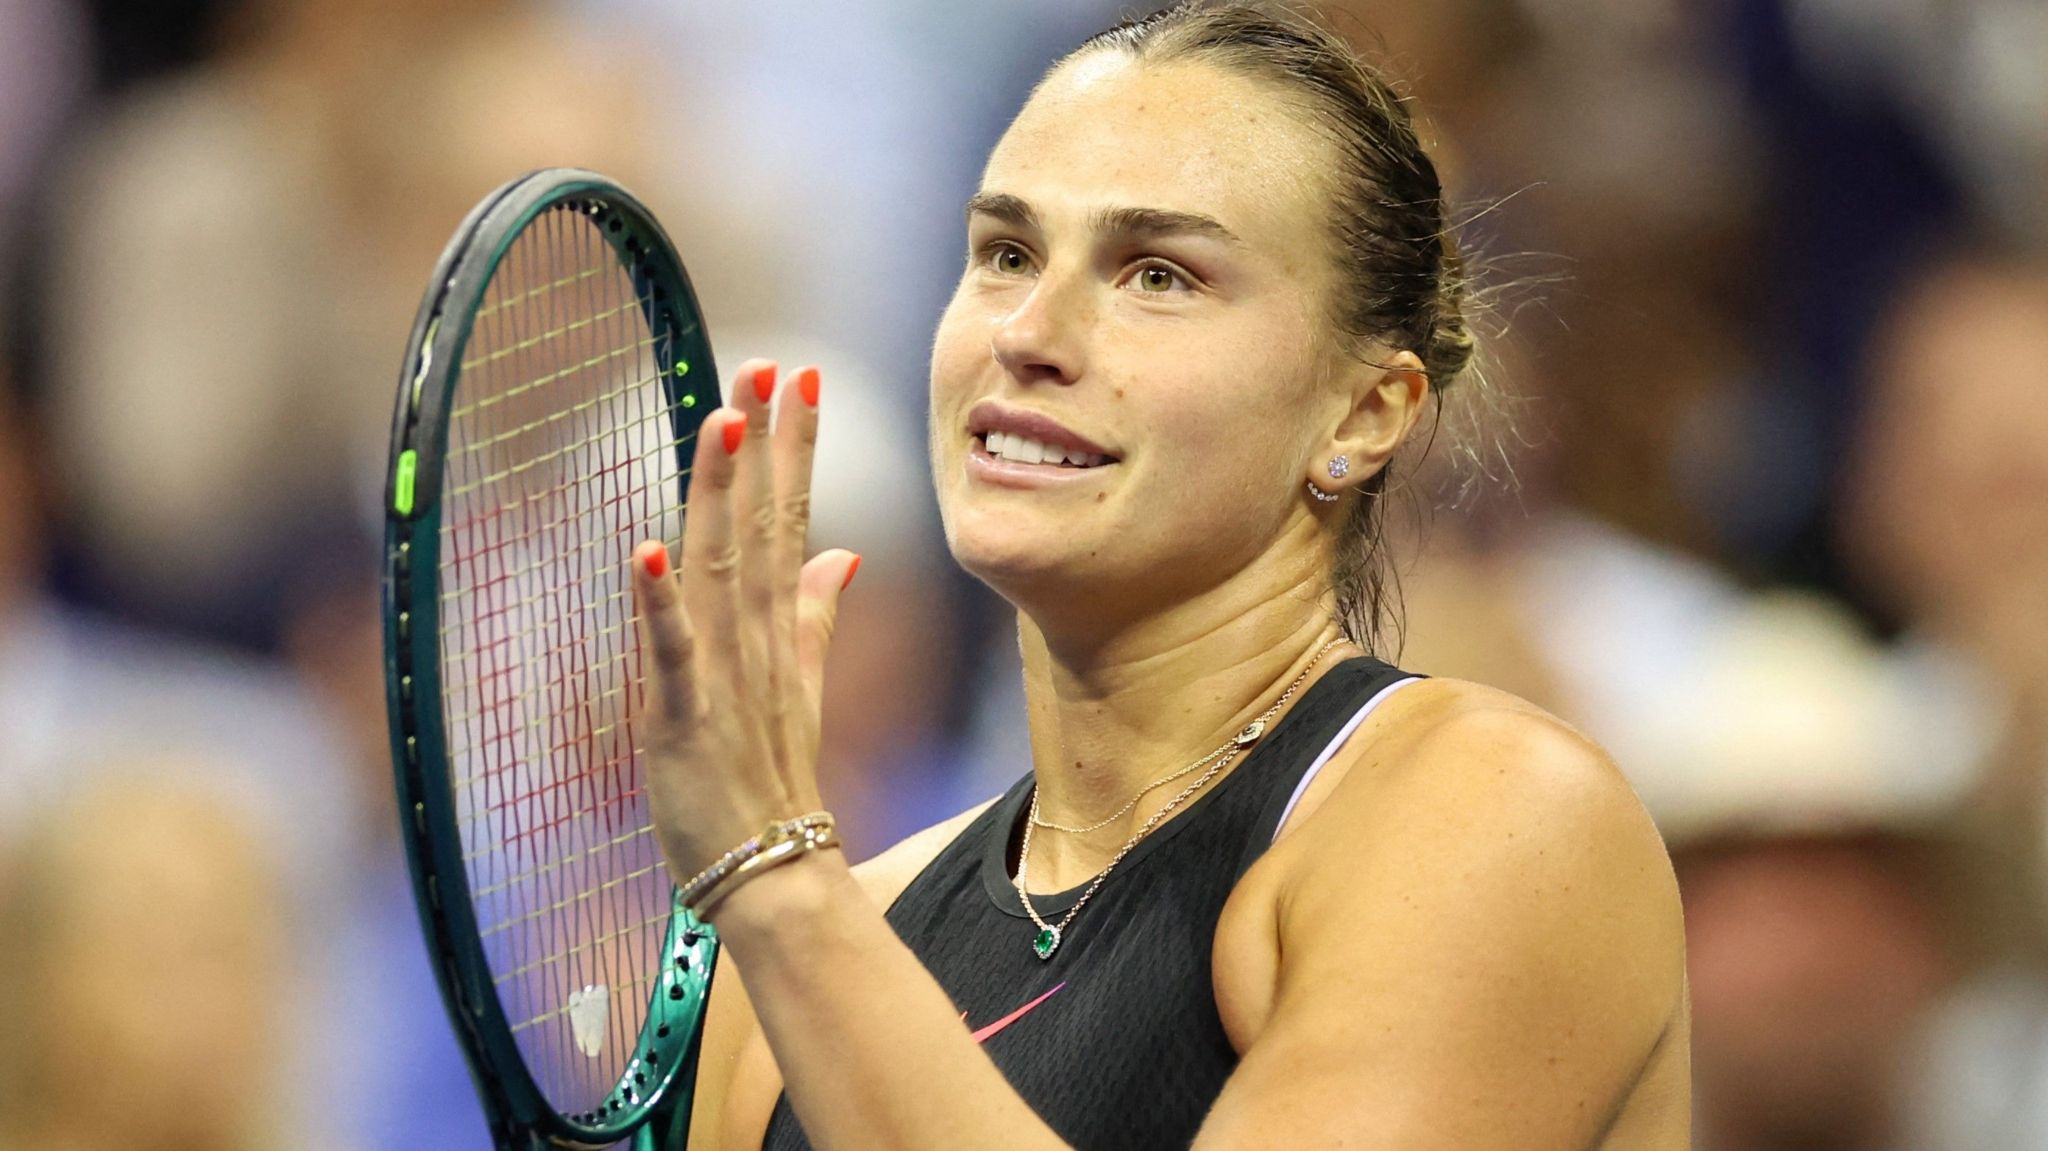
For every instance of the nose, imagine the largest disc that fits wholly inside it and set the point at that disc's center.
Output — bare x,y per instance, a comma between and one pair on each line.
1045,338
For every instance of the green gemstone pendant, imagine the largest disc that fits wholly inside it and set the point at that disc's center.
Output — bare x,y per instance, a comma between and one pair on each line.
1047,942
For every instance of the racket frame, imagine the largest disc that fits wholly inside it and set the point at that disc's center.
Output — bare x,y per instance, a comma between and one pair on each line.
650,1104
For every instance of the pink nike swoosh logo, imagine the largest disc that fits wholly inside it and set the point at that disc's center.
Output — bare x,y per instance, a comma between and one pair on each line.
986,1033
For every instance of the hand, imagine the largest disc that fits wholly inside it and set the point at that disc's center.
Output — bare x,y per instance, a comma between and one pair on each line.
736,635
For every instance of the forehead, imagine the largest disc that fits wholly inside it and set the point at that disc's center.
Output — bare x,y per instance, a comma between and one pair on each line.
1108,130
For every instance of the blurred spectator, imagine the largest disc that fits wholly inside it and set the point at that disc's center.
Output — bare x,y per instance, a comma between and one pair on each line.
1946,509
82,689
240,255
77,688
145,975
1946,502
78,691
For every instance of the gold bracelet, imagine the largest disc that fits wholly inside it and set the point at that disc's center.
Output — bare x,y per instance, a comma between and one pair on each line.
692,894
808,840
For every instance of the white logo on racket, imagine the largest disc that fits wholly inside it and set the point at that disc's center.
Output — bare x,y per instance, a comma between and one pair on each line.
589,1010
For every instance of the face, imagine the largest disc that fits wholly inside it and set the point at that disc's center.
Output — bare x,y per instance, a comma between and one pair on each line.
1949,500
1147,270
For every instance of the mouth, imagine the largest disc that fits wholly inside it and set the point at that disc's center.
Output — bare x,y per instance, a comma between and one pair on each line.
1015,442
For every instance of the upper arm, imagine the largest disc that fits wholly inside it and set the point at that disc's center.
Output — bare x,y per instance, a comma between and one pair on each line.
1480,946
737,1080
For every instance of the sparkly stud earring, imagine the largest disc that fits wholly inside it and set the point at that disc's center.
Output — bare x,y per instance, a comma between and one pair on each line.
1340,466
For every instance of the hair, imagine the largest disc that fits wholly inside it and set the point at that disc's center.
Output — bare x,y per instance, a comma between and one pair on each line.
1403,280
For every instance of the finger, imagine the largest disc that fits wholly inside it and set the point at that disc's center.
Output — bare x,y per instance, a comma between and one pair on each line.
711,557
754,519
794,448
822,584
664,633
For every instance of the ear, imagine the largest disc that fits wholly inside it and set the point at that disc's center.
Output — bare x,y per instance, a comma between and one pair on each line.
1387,397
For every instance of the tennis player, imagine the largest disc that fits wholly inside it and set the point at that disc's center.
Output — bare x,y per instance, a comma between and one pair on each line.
1259,888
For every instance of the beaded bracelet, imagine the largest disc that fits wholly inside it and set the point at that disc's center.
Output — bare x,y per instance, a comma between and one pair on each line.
804,833
809,840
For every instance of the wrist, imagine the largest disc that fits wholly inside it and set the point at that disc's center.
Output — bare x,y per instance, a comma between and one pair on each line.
787,899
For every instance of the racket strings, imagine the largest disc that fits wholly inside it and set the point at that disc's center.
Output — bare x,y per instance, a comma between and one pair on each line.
546,458
505,925
553,377
561,456
539,338
563,861
538,290
582,947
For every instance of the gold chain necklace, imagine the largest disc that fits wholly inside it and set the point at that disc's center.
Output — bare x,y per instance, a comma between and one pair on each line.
1049,935
1148,789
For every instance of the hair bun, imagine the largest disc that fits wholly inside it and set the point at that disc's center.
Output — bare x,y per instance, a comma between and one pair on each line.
1451,344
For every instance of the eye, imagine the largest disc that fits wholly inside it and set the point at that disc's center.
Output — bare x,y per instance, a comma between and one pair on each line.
1006,258
1158,279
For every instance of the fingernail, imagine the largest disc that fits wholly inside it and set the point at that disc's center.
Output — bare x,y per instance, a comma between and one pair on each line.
764,383
850,569
656,562
735,431
807,385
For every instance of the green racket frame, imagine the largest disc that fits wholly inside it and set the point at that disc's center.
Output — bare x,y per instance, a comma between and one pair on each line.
650,1105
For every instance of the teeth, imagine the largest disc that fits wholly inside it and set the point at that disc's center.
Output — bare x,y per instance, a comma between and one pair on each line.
1008,446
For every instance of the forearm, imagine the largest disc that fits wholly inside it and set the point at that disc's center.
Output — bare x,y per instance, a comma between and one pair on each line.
872,1052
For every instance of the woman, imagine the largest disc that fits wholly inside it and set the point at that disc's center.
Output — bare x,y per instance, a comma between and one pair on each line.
1259,889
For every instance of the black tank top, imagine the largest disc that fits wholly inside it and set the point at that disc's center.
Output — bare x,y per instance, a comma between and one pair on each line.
1115,1041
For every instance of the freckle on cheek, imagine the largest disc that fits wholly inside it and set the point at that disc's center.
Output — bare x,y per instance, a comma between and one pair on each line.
1101,496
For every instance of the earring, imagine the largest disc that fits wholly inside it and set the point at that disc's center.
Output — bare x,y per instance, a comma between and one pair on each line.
1340,467
1321,495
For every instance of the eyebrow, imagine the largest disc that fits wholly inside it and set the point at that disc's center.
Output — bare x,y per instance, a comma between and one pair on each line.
1122,223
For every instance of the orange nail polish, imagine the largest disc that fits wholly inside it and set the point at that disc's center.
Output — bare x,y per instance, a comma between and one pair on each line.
656,562
764,383
807,385
735,431
850,569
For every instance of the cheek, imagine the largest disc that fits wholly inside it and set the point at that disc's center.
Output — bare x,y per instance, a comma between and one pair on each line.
1226,416
960,350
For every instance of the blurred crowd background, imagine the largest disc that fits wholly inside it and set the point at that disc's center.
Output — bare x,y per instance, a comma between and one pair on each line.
1768,515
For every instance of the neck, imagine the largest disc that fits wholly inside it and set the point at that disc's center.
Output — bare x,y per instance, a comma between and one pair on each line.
1113,714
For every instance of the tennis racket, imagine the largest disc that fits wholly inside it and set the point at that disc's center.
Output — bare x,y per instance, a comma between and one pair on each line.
554,383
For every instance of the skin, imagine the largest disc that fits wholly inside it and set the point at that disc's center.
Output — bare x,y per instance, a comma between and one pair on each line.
1468,935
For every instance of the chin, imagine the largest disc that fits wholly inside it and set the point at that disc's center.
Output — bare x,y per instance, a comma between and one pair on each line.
1021,553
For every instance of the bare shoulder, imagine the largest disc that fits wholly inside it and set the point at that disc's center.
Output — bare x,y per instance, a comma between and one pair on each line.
886,875
1479,904
1534,820
1457,766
